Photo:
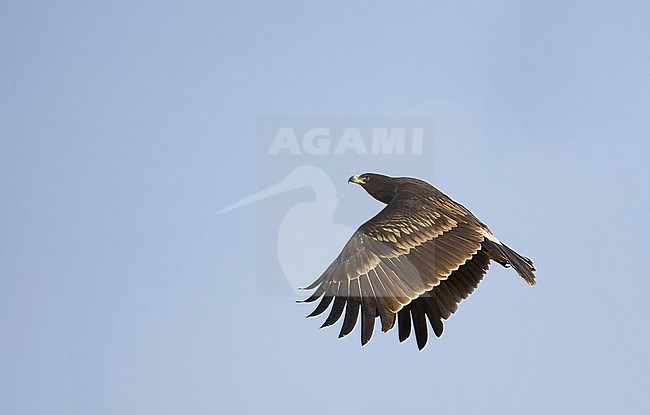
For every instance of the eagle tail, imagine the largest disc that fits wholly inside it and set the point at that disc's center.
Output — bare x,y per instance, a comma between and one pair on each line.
507,256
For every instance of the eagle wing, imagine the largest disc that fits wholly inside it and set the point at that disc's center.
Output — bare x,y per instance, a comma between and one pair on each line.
399,262
442,301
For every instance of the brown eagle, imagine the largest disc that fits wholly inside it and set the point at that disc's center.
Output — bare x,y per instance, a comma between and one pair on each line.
415,260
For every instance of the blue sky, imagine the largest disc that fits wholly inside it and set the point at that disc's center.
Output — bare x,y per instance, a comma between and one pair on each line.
125,126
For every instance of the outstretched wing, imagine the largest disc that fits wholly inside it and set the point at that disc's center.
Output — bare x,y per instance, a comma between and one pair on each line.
442,301
413,245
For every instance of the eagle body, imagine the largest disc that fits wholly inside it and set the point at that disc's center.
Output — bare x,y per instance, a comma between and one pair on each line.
412,262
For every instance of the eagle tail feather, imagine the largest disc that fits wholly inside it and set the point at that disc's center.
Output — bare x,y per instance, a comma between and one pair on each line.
507,256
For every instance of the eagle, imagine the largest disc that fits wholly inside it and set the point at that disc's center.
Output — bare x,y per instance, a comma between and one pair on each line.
414,261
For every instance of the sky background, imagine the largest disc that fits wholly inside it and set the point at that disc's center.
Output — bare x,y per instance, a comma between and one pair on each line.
124,127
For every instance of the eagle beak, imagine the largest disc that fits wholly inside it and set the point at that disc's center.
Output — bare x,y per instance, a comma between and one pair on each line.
355,179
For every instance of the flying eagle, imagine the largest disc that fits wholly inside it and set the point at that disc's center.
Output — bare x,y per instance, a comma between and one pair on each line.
420,256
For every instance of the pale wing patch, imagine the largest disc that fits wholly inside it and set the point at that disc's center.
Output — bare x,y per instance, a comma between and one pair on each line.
405,237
